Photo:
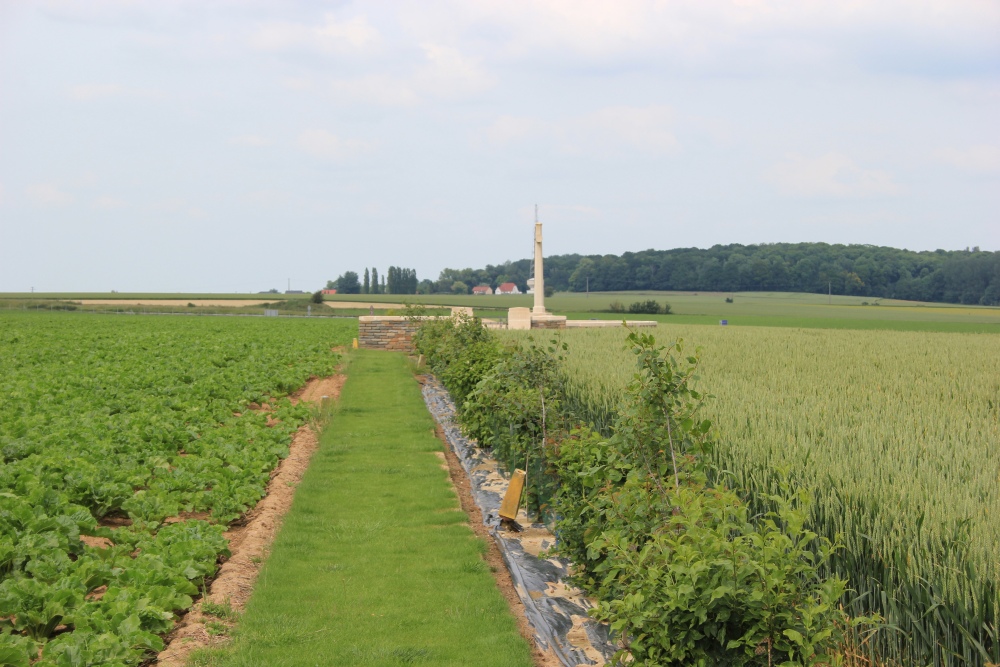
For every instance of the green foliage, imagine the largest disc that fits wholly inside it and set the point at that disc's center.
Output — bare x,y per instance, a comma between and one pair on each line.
649,307
222,610
401,280
880,426
143,418
459,350
681,570
516,410
957,276
317,296
508,397
348,283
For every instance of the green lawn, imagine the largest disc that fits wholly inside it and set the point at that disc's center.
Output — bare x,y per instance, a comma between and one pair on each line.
375,563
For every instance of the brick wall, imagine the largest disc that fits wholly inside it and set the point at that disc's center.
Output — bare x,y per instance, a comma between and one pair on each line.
387,332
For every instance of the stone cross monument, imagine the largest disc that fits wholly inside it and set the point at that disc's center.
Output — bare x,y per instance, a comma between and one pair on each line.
539,286
536,317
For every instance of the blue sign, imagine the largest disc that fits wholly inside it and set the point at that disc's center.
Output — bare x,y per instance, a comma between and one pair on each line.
723,322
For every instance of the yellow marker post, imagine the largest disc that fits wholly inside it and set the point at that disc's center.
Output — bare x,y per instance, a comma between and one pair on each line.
355,344
512,499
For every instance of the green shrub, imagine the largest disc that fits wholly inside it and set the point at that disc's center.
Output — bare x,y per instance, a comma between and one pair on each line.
681,571
649,307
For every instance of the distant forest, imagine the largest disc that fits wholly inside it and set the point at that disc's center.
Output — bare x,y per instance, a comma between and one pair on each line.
950,276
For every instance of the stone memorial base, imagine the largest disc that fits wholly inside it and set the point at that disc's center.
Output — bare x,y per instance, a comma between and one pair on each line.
519,319
548,321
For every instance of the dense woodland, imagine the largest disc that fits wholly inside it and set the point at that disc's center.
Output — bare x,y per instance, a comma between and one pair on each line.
952,276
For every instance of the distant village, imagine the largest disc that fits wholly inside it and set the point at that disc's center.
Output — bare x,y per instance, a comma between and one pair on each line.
503,288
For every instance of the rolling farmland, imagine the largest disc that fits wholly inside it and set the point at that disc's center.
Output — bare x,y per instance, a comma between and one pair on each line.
128,444
895,433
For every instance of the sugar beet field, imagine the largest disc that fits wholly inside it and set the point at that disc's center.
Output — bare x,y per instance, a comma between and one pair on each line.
110,426
896,435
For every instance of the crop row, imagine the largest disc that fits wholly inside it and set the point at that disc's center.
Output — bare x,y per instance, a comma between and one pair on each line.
894,433
108,427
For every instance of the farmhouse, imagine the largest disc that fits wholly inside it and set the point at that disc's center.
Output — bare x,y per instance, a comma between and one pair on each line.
482,289
329,291
507,288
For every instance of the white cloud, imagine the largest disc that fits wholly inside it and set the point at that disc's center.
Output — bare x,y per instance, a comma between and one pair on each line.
326,145
643,128
447,72
108,203
48,195
728,34
606,131
375,89
444,72
89,92
830,175
975,158
329,37
251,140
507,129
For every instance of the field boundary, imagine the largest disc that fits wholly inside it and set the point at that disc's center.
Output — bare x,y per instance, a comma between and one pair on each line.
555,612
250,542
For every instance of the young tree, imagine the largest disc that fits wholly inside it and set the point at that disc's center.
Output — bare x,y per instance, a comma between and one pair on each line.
375,289
366,286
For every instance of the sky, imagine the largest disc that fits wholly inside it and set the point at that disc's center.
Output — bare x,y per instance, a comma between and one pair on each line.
238,146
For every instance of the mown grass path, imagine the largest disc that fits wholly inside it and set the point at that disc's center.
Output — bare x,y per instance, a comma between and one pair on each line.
375,564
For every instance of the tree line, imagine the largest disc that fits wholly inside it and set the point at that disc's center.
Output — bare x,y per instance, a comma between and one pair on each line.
951,276
398,280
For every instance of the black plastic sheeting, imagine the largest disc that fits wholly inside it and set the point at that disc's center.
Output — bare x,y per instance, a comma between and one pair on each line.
552,617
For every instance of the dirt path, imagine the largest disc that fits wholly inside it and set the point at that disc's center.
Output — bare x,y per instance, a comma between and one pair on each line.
250,542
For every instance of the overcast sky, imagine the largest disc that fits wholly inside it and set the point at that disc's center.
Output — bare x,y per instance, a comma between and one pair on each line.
229,146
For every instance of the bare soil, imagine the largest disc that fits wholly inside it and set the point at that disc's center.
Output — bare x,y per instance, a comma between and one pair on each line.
493,558
250,540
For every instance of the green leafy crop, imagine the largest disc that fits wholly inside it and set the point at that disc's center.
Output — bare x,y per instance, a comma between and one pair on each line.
111,425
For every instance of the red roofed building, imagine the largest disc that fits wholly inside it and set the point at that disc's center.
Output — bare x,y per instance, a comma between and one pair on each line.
507,288
482,289
329,291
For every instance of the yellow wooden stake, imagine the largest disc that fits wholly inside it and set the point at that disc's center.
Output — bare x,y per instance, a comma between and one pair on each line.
355,344
512,499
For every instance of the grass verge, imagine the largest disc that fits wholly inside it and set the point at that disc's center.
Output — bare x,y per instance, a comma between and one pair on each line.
375,563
